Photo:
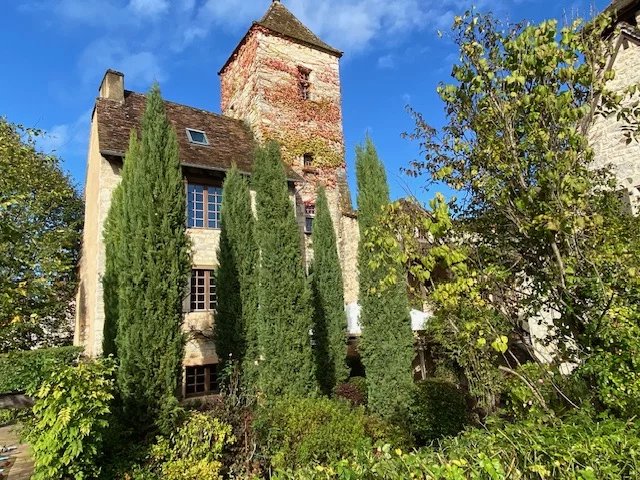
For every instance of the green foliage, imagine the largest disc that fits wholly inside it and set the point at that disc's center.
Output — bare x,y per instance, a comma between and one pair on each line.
383,432
537,391
439,409
386,344
193,451
539,236
578,448
296,432
71,415
614,366
232,408
148,251
330,321
236,334
285,316
40,230
6,416
113,239
22,370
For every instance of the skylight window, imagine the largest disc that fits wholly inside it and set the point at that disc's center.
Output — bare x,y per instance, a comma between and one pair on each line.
197,136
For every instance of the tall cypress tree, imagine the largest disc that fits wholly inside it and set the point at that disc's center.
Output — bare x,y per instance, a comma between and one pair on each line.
386,344
113,247
153,265
330,321
285,314
235,327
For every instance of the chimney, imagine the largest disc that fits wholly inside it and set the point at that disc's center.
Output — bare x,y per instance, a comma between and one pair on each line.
112,86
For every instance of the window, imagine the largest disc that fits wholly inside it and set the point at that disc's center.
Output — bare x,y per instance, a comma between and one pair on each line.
203,296
204,204
307,160
304,83
201,379
197,136
309,212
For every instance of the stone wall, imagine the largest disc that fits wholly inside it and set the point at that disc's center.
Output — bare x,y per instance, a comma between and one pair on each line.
261,86
102,178
606,136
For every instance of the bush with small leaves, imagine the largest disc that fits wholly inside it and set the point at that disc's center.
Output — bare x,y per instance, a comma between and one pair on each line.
296,432
71,414
439,409
24,368
193,451
579,447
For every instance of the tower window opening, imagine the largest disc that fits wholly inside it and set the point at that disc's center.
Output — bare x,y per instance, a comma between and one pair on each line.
307,160
304,83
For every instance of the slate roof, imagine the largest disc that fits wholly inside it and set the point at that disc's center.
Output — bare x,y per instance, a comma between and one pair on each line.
230,141
280,21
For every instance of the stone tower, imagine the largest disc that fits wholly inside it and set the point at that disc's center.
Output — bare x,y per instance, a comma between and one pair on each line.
284,82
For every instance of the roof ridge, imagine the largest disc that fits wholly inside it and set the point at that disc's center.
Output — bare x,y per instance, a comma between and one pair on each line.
209,112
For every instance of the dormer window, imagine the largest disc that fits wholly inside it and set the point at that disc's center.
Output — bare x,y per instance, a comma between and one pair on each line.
197,136
304,83
307,160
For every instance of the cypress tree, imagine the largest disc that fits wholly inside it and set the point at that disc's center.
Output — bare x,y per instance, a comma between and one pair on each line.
330,321
235,326
153,265
386,344
284,314
112,239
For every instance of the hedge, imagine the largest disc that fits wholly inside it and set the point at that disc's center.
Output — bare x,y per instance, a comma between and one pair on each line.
23,368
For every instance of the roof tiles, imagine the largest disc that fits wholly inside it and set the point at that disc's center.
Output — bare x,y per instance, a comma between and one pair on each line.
230,141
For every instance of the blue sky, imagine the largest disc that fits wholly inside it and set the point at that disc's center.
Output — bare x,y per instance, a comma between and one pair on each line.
56,51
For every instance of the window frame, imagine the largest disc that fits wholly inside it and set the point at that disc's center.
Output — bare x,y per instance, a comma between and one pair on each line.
210,381
308,160
207,191
191,140
210,291
309,215
304,82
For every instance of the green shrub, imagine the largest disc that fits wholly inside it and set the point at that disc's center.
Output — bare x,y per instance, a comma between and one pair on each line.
302,431
578,448
237,411
439,409
560,393
25,368
71,413
6,416
383,432
194,451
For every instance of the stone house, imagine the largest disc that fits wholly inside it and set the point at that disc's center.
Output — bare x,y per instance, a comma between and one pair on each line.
282,83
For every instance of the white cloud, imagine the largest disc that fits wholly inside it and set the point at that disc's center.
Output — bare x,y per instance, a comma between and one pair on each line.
386,62
150,8
66,139
141,68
